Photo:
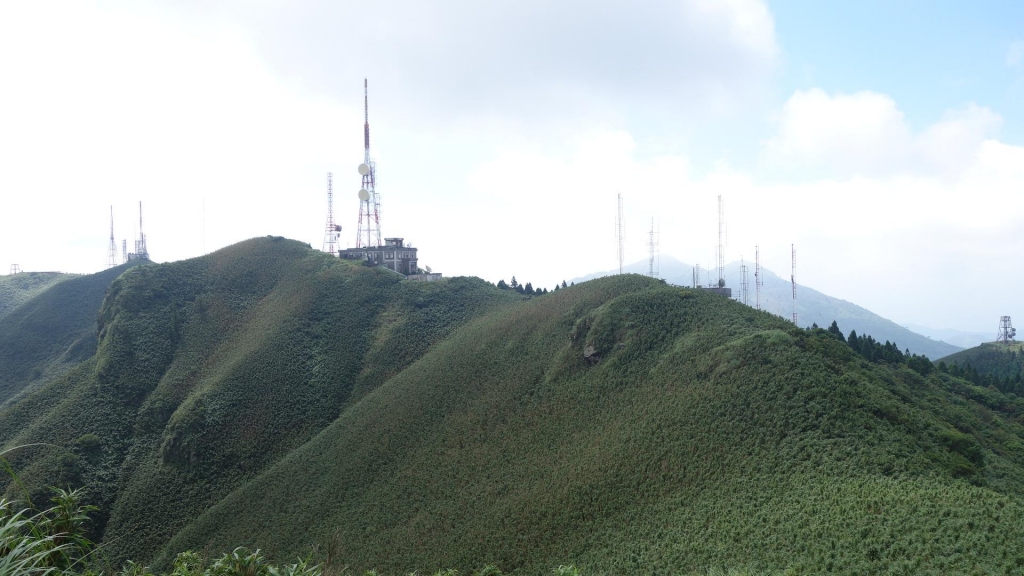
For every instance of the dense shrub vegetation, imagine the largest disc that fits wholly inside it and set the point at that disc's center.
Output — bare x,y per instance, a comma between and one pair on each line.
272,397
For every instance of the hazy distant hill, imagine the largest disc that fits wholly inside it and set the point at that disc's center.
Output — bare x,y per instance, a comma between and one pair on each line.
18,288
812,306
53,330
962,338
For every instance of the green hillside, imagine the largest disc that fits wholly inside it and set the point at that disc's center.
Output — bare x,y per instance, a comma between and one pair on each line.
210,369
52,331
271,396
991,364
18,288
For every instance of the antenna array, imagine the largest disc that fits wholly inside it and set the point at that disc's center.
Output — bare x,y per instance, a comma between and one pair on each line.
15,269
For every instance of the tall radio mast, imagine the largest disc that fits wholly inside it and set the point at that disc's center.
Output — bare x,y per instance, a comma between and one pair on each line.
369,200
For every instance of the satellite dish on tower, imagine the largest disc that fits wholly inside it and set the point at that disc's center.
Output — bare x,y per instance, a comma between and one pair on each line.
364,169
363,194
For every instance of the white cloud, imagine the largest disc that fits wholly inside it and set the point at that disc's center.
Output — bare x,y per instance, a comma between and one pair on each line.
555,60
866,133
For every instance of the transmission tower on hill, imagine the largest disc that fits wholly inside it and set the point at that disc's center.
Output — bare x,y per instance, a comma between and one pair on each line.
332,229
1006,331
112,248
369,200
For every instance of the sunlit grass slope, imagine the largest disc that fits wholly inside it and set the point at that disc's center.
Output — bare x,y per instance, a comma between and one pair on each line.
16,289
209,370
54,329
633,428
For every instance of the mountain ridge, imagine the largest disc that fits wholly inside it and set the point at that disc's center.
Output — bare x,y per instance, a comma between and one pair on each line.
271,396
812,306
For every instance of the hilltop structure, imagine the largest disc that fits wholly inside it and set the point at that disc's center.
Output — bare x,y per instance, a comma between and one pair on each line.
141,252
394,253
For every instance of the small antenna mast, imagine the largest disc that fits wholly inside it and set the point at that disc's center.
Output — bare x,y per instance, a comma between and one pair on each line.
332,229
619,234
650,248
721,252
792,278
757,276
744,283
112,248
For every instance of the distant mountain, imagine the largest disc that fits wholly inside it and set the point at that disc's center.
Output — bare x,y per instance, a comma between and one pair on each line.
16,289
812,307
962,338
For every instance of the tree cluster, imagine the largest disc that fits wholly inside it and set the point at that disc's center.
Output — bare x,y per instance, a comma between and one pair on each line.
527,288
1009,384
888,353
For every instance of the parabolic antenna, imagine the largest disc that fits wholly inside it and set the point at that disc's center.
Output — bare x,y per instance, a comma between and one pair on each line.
364,169
363,194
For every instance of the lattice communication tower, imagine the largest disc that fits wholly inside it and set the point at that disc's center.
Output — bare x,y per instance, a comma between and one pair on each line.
1006,331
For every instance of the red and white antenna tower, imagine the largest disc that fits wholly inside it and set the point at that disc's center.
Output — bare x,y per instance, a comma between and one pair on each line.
112,248
331,232
792,279
757,276
369,201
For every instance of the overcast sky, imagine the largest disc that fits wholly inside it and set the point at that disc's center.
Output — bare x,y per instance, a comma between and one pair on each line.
885,142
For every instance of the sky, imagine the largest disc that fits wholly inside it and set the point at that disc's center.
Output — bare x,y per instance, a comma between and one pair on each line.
884,140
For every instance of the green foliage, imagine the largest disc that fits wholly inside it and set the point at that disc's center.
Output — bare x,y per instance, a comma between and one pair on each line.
44,542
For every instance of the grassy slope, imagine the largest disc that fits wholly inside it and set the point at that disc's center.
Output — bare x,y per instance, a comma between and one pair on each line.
210,369
49,333
999,360
707,434
16,289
